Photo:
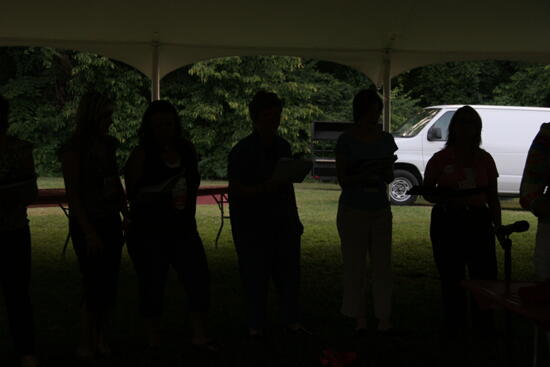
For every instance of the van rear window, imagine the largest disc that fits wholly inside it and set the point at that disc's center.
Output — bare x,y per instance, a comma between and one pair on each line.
415,124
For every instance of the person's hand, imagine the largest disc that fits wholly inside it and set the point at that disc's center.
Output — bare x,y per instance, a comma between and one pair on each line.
180,201
94,244
500,236
126,222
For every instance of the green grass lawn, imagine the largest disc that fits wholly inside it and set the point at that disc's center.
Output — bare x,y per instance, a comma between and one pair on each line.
56,292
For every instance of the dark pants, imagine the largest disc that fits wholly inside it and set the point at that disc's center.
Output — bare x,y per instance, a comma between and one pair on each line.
156,244
463,239
264,255
15,276
99,271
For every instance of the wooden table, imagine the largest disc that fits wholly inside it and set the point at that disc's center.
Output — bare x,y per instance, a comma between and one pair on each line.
499,294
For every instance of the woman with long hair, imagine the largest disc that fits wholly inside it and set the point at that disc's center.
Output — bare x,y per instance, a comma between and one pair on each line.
96,200
17,190
464,217
162,180
364,164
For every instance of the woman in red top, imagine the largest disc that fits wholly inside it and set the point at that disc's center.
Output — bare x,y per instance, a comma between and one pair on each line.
463,225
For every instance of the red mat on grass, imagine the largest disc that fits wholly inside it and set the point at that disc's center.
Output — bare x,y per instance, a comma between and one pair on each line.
53,197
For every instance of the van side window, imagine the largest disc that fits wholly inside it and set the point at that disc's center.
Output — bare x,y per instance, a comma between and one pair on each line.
443,124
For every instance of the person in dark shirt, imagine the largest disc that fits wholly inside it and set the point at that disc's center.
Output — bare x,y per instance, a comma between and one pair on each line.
162,180
264,218
96,200
17,190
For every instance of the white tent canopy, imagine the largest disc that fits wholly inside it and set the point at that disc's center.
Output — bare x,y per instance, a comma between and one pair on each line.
379,38
352,32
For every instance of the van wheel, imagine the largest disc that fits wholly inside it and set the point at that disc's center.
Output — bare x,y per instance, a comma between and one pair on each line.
403,182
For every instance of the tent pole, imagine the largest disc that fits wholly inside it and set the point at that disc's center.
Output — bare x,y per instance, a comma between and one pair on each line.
386,87
155,87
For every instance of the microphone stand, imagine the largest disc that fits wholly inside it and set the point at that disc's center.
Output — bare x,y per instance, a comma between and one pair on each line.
507,247
508,330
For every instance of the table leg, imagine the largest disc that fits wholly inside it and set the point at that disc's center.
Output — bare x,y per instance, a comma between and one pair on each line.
220,203
68,238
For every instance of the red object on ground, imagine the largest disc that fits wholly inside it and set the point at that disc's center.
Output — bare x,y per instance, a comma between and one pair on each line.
332,358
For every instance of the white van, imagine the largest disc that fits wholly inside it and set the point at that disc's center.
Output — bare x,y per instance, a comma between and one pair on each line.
507,134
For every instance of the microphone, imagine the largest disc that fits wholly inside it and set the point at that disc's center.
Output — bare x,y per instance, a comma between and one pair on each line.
519,226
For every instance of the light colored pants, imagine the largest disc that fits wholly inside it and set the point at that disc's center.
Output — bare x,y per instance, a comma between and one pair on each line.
366,234
541,256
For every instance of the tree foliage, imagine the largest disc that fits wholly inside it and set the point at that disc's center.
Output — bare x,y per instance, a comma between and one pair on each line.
530,86
44,86
457,82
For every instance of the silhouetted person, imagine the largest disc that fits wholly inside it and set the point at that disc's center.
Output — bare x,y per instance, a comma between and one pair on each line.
534,196
17,190
462,228
364,164
264,218
162,180
96,200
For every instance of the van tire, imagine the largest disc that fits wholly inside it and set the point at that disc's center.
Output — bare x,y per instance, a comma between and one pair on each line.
403,182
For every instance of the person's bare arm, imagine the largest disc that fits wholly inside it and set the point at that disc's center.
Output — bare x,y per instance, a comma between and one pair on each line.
430,181
70,162
25,194
26,170
124,201
494,203
133,172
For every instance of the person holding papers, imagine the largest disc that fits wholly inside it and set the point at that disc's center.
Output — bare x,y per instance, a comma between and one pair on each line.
162,180
462,227
364,164
17,190
96,200
264,217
